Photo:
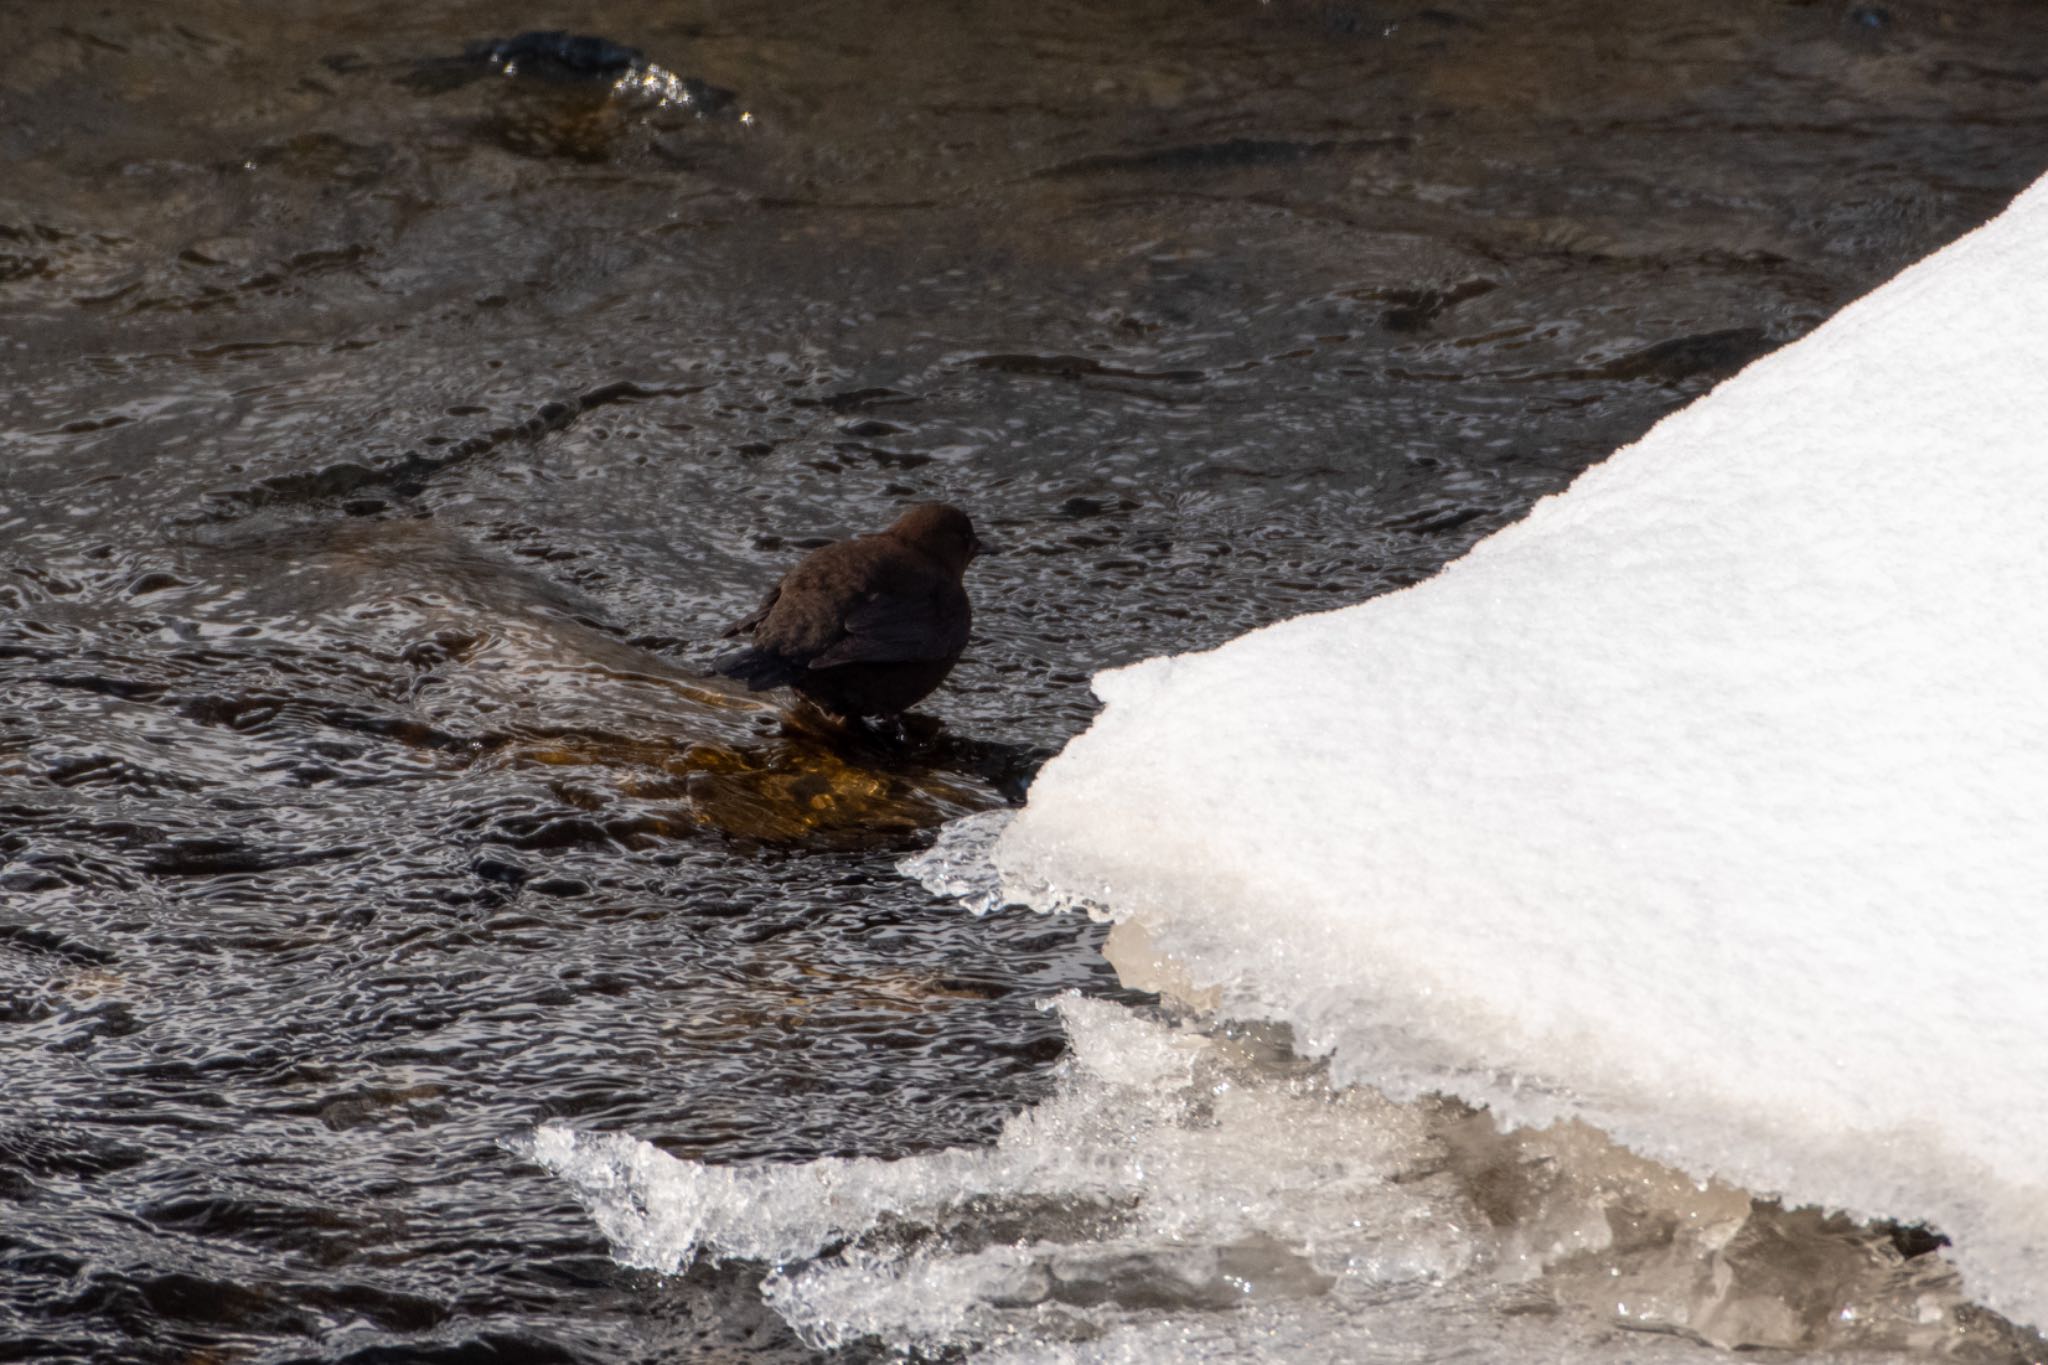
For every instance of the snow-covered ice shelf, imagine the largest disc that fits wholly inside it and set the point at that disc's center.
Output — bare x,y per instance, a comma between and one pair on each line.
1708,804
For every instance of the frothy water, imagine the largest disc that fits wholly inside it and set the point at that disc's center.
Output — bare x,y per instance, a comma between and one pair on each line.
1205,1192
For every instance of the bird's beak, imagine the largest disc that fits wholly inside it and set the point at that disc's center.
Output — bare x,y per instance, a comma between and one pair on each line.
976,548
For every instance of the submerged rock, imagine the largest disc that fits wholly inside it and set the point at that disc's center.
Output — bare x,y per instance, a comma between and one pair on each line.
584,60
488,666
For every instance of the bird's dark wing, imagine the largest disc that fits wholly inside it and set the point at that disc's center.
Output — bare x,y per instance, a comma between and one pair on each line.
894,628
754,617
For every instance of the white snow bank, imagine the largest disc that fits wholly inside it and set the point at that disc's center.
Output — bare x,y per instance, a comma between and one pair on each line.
1709,803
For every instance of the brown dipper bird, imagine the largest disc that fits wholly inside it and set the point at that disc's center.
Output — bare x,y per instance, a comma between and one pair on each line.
868,626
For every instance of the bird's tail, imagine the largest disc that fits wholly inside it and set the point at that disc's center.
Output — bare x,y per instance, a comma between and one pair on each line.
757,668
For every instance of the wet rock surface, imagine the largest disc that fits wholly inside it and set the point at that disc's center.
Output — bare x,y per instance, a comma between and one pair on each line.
379,462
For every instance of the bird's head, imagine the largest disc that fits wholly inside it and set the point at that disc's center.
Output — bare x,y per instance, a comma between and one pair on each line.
941,531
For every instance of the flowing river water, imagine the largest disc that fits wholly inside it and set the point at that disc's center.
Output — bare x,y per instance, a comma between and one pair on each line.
387,434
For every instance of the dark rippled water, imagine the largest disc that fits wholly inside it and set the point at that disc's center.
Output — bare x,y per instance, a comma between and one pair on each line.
384,439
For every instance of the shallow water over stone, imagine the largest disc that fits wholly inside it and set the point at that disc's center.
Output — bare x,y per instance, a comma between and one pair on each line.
387,438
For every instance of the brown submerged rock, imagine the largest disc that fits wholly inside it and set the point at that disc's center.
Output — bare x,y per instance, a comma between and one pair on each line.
868,626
